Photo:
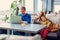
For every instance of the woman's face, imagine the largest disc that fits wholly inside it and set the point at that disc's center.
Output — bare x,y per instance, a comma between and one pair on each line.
43,18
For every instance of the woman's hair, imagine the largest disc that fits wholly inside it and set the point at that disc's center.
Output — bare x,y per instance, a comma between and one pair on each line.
42,13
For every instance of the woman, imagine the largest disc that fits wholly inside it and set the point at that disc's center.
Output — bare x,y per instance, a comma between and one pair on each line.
50,27
46,30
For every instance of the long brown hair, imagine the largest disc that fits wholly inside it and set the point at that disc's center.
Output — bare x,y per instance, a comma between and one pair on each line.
42,14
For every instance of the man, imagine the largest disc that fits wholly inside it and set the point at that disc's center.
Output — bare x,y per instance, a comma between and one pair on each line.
26,19
25,16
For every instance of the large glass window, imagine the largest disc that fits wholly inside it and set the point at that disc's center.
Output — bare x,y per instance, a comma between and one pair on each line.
39,5
33,5
49,5
5,9
29,5
44,5
5,4
56,5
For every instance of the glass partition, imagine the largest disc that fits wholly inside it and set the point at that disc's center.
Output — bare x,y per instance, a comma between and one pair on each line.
39,6
56,5
44,5
29,5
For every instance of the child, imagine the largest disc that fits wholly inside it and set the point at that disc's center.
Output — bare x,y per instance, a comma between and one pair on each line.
46,30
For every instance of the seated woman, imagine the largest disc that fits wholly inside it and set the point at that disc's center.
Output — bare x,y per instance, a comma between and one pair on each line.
50,27
46,30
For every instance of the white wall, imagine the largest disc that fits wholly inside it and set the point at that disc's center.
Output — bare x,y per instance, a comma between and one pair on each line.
39,5
29,5
5,4
56,8
56,5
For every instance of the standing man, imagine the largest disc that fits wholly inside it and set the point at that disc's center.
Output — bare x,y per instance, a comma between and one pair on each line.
26,18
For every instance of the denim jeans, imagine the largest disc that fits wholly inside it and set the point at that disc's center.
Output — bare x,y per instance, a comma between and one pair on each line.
3,31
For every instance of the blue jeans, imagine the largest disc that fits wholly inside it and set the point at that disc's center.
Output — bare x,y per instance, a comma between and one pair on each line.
22,33
3,31
18,33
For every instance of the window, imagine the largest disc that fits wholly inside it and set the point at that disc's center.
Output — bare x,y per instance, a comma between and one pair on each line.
5,5
29,5
56,5
33,5
5,9
39,5
44,5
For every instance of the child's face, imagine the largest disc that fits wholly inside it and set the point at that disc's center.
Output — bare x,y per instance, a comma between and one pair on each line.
43,18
